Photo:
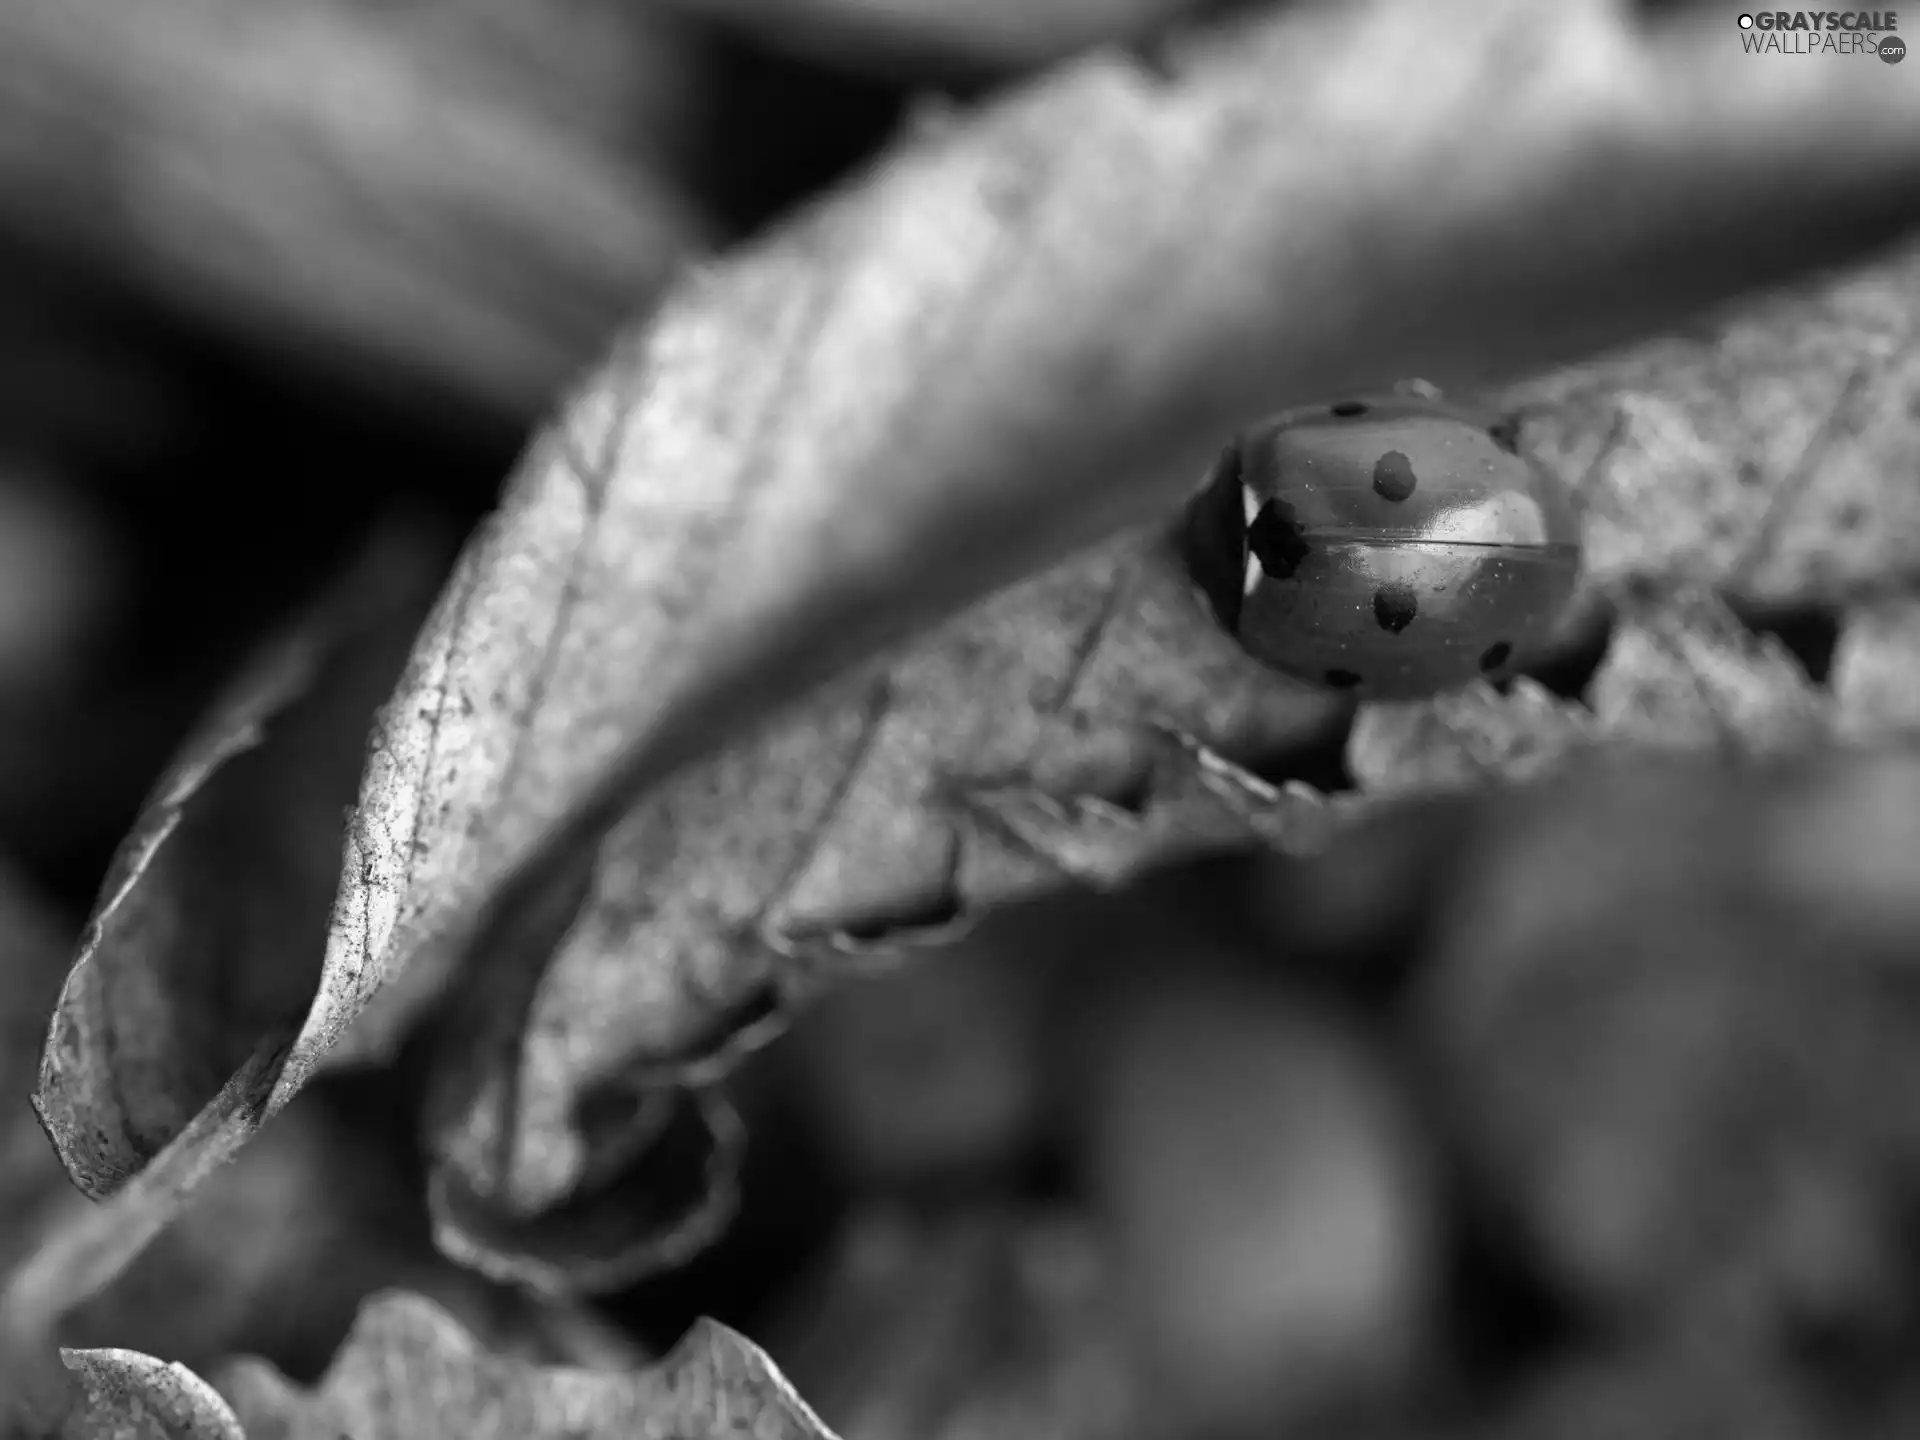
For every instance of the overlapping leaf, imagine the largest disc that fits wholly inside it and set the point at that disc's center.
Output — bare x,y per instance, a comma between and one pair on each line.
1761,462
408,1372
202,958
826,441
1043,708
206,938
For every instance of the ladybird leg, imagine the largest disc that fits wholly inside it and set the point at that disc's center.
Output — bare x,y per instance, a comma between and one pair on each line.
1194,800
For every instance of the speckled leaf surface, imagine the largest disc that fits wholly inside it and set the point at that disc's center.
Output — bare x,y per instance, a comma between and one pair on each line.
409,1372
124,1395
1680,674
1771,460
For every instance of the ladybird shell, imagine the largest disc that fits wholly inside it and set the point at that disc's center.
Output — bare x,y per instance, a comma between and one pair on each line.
1395,546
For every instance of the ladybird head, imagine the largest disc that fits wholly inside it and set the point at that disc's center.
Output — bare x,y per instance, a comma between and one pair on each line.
1214,537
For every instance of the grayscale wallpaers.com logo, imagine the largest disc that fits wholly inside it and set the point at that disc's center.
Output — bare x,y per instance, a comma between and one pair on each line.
1824,32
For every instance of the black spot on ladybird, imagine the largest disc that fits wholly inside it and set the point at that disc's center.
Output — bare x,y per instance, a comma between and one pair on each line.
1347,409
1506,434
1495,655
1394,606
1342,679
1393,477
1276,541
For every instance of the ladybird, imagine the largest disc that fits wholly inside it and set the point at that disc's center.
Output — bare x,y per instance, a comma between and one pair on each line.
1397,547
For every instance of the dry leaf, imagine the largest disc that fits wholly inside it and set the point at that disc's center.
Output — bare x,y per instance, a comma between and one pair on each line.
1001,344
176,1022
1038,711
408,1372
124,1395
666,1191
839,821
205,945
274,1255
1688,674
1681,671
1464,739
1770,461
853,782
1195,800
